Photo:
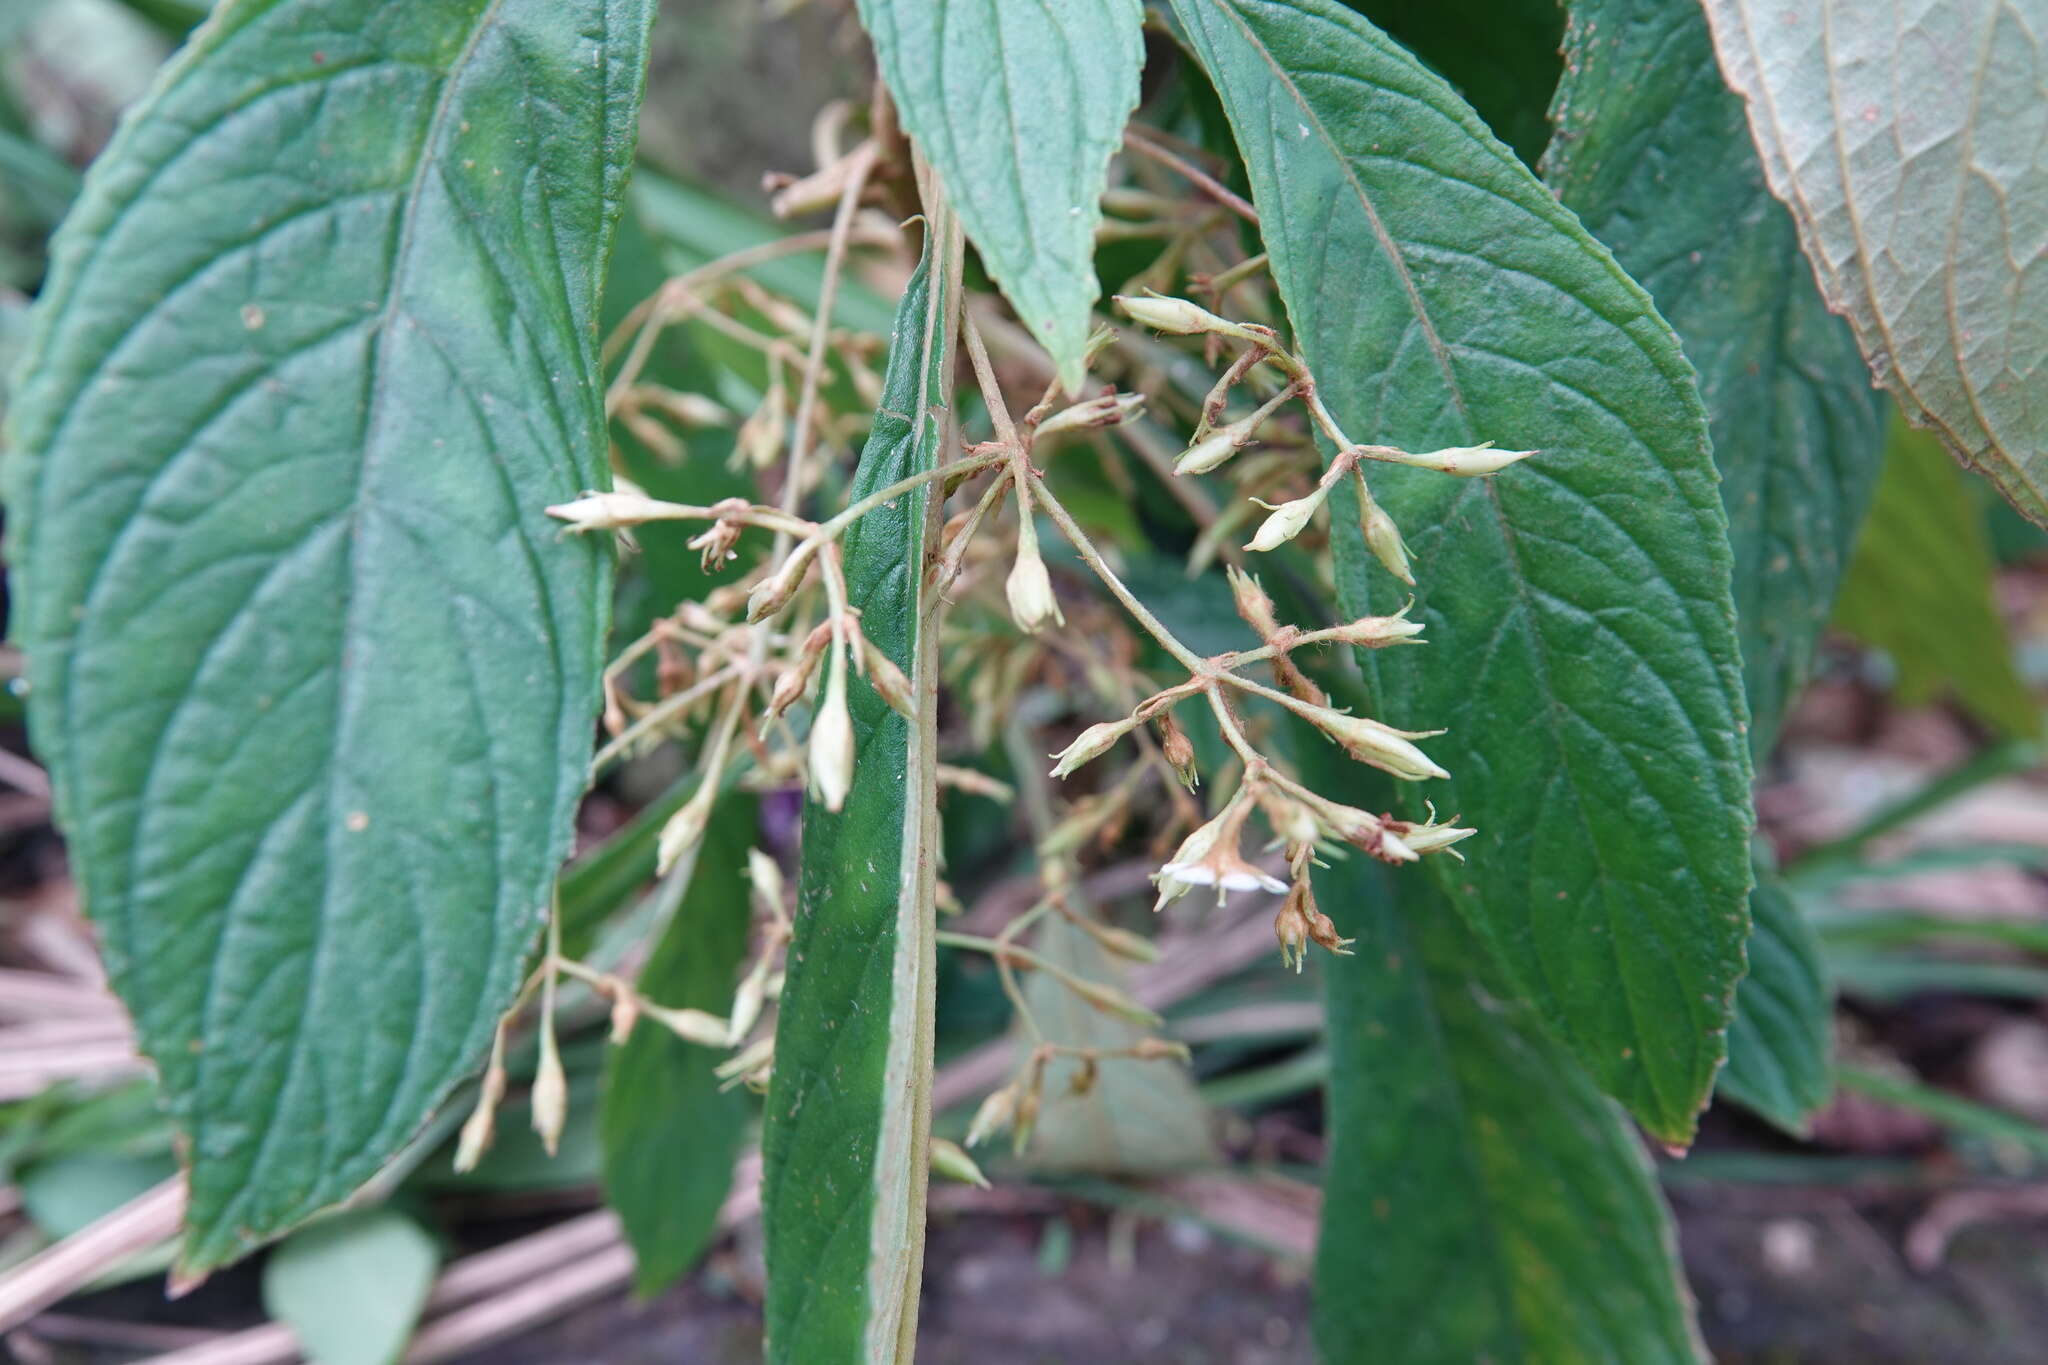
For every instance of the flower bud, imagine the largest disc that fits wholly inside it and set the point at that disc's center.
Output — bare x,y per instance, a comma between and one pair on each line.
1218,446
1382,537
1382,746
482,1124
625,1011
831,745
1029,588
1287,520
1091,743
614,511
950,1160
1176,316
1432,837
766,875
549,1098
1160,1049
1110,1000
1468,462
994,1115
681,832
1105,411
747,1002
692,1026
1377,632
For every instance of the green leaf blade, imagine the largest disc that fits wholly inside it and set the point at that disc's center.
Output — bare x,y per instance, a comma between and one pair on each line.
1653,153
1909,149
1582,651
1485,1201
1781,1044
848,1114
1020,108
313,672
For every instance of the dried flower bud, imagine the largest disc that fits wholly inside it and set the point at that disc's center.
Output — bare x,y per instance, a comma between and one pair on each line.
625,1011
950,1160
714,546
1085,1076
772,593
831,745
614,511
994,1115
1093,742
549,1098
760,438
1291,927
1110,1000
1178,750
1176,316
1252,602
1287,520
1125,944
1160,1049
1324,934
889,681
690,410
1105,411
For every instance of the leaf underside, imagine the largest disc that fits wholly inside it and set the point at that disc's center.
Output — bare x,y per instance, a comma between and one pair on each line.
1653,153
1911,143
1583,653
843,1157
1020,108
313,673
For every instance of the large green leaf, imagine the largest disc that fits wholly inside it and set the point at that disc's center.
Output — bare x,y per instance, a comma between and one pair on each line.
670,1132
312,671
1484,1200
1920,585
1582,649
1653,155
1019,108
849,1109
1907,141
1780,1047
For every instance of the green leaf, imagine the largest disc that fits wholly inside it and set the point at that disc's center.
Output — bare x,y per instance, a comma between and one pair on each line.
1653,155
313,673
849,1108
1501,55
1908,146
1919,588
1485,1201
1781,1043
1020,108
1582,651
671,1134
351,1286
